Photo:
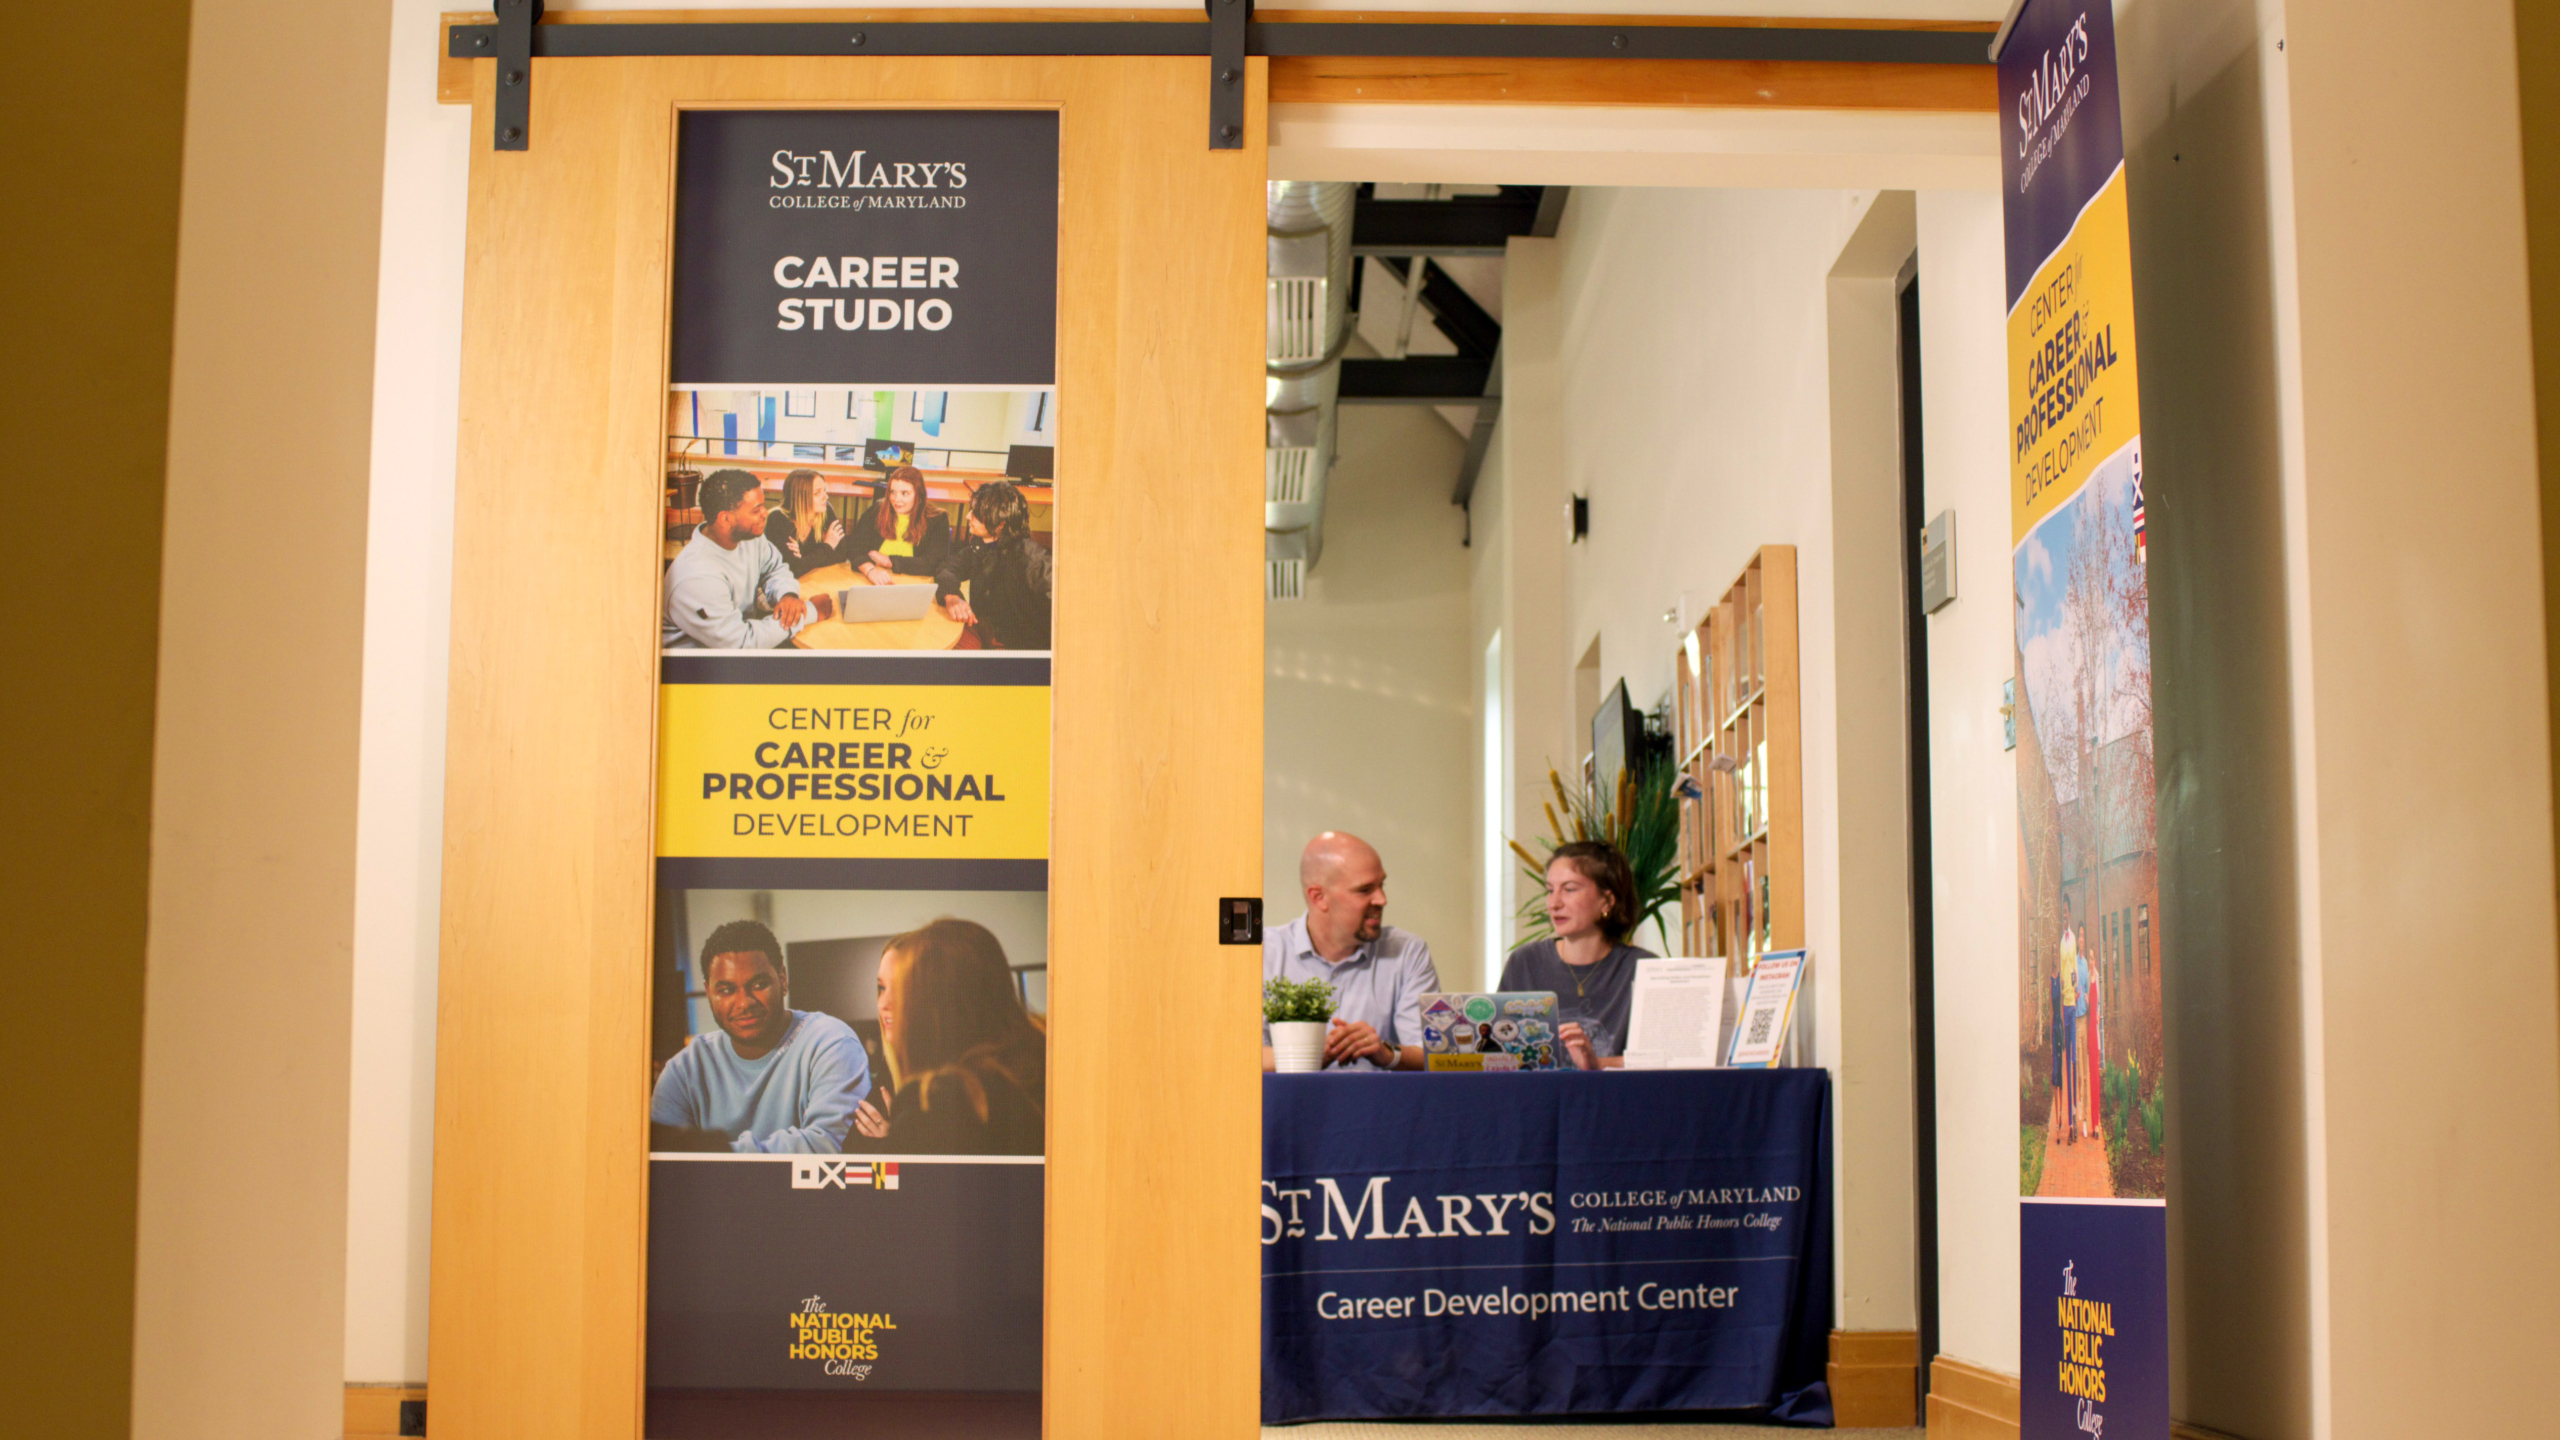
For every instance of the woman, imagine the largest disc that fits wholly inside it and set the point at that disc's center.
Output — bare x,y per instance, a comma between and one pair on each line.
2072,1100
808,536
2093,1119
971,1067
907,538
1591,902
2059,1105
1006,572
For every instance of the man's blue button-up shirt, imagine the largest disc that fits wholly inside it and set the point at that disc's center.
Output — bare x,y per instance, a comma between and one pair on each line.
1381,983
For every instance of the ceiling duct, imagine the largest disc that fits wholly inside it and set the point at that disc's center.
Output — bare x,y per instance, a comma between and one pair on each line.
1306,325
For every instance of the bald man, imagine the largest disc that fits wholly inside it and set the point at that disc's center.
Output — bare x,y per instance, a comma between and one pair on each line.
1379,974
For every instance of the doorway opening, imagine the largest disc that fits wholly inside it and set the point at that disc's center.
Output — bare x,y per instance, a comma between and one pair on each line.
1924,981
1551,560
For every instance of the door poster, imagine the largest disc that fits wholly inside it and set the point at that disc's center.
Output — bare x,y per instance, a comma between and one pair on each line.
849,975
2093,1227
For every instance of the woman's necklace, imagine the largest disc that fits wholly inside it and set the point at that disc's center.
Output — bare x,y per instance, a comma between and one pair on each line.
1579,971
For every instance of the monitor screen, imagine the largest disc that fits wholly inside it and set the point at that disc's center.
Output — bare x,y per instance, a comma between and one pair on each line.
887,454
1031,462
1617,735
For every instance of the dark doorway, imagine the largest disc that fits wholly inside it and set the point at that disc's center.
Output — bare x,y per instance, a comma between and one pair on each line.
1924,999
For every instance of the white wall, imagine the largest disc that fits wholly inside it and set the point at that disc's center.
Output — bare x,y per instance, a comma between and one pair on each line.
1687,379
400,790
1694,413
1369,697
1973,780
1872,1061
1519,553
1492,763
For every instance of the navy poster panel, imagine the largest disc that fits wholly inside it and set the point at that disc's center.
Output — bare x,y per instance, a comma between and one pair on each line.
1545,1244
2093,1280
866,246
848,250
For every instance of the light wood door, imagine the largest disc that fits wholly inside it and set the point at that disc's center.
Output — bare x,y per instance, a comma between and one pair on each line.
541,1081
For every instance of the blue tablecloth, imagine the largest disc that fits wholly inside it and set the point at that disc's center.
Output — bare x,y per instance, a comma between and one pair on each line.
1546,1244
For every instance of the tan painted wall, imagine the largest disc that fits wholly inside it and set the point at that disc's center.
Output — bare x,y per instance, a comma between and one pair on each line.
2436,1147
89,156
240,1256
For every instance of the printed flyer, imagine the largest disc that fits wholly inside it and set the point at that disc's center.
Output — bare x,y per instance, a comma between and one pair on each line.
849,976
2093,1230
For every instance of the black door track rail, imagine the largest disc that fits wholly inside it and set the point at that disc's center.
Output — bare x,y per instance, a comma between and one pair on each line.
1224,39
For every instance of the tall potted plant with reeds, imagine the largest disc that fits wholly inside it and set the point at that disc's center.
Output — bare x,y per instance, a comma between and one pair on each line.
1641,817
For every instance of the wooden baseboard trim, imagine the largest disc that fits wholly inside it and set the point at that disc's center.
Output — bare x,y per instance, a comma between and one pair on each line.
1874,1377
373,1411
1971,1402
1966,1401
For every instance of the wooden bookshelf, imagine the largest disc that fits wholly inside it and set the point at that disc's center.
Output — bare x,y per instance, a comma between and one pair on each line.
1739,738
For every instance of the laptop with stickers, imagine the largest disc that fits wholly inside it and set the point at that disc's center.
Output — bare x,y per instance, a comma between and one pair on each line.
1491,1030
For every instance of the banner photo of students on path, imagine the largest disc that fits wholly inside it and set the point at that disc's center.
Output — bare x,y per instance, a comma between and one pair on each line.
2093,1236
848,1085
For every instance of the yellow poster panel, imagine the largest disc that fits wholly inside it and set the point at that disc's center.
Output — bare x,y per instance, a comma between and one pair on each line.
941,772
2073,400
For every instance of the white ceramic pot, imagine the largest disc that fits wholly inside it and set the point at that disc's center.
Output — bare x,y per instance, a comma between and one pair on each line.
1297,1046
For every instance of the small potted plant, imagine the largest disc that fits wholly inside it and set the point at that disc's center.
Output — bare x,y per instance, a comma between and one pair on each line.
1297,1013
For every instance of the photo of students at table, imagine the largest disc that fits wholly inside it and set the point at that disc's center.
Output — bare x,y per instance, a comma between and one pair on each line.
803,529
902,534
729,588
1007,573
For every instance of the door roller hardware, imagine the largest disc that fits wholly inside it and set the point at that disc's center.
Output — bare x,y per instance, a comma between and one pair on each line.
512,114
1228,22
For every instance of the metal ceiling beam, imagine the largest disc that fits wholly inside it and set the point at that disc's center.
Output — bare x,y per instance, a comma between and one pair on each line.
1551,200
1454,312
1479,444
1459,225
1416,380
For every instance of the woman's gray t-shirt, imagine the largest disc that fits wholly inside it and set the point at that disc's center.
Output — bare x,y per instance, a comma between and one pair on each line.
1599,995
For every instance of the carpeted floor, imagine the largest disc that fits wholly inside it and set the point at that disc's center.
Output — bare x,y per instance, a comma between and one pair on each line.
1372,1430
1419,1431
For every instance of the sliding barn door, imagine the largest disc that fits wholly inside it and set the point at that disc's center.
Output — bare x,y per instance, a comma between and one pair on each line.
561,531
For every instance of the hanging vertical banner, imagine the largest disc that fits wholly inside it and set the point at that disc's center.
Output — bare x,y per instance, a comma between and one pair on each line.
849,979
2093,1231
